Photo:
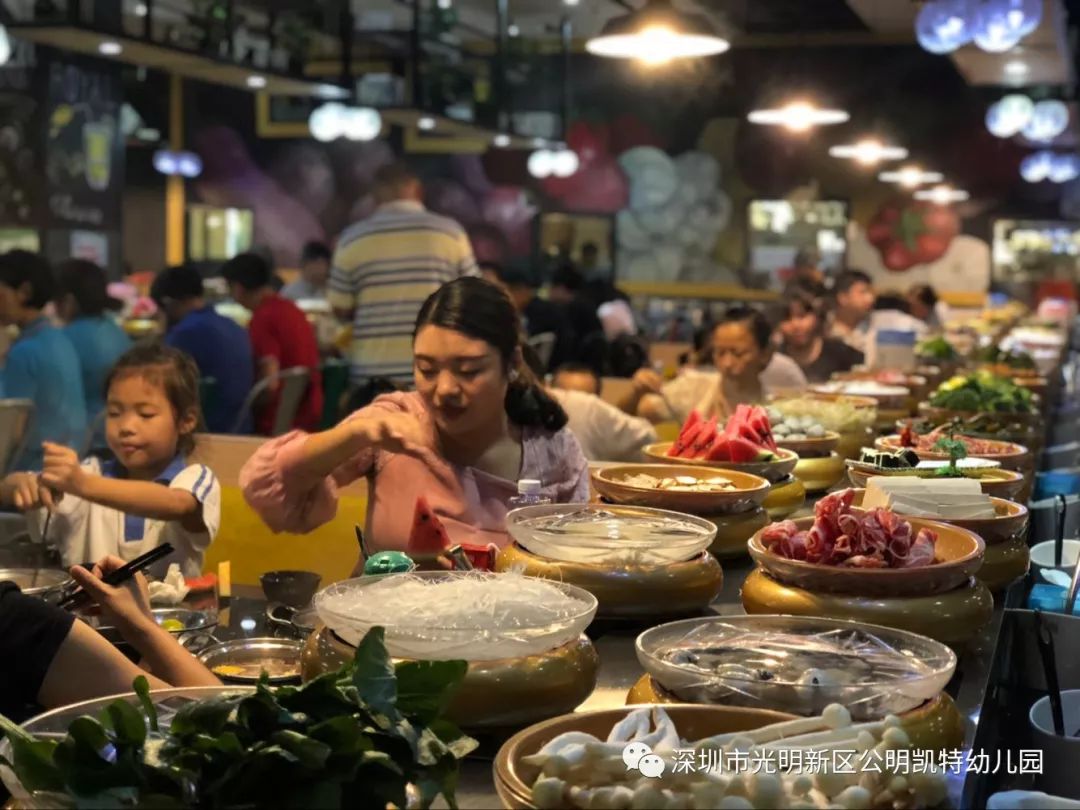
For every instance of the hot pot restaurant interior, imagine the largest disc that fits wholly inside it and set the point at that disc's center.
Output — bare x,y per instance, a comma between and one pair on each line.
540,404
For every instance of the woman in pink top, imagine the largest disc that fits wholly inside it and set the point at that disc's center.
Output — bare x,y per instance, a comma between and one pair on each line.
476,424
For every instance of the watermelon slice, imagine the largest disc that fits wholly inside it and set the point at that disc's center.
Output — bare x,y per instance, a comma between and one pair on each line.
693,419
705,437
428,535
681,444
737,449
684,446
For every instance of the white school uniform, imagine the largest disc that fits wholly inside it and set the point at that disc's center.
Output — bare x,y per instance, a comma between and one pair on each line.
85,532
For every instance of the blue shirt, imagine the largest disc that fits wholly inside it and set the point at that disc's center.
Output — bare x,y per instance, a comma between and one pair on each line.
98,342
222,350
42,366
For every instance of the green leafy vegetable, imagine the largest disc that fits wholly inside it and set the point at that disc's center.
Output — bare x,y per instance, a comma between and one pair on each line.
364,736
983,392
937,348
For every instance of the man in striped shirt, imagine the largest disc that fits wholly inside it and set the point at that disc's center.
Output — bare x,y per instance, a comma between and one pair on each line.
386,266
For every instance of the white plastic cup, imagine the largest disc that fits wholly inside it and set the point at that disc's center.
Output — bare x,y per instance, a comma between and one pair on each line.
1060,775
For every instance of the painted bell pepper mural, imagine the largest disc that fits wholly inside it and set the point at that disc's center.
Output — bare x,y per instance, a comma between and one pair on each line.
911,233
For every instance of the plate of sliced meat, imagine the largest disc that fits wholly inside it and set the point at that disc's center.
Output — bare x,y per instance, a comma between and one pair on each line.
868,553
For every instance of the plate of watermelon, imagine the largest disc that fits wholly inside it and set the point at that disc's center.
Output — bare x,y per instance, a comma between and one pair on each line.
745,444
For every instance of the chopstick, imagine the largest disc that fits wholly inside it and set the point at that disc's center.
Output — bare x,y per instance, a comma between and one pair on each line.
81,599
1049,661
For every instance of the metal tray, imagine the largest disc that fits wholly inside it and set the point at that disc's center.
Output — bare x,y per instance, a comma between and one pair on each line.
254,651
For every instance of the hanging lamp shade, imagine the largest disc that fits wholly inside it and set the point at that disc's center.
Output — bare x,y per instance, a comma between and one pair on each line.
657,33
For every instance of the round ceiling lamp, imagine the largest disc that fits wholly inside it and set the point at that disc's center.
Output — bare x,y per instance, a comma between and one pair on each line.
327,121
1009,115
657,33
1049,119
1046,165
1000,24
561,162
942,26
798,116
911,177
868,152
995,26
942,195
333,120
5,46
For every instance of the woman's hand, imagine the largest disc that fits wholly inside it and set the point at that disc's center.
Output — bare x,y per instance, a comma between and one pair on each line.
62,470
127,606
394,432
647,381
27,492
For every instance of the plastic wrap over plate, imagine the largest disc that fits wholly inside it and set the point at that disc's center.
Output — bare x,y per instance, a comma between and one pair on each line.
797,665
609,535
474,616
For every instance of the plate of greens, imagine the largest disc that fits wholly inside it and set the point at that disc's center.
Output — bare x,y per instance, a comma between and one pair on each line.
367,735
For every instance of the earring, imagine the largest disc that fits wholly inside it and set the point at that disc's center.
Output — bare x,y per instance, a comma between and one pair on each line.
514,375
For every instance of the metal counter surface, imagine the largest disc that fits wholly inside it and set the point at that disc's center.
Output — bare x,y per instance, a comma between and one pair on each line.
619,670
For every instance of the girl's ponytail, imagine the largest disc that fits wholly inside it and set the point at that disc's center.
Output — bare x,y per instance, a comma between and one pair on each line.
529,405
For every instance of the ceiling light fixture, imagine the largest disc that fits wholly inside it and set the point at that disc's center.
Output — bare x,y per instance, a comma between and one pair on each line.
141,10
445,4
5,46
911,177
501,141
256,82
942,195
426,123
561,162
110,48
798,116
1049,119
1016,69
868,152
1009,115
657,33
513,30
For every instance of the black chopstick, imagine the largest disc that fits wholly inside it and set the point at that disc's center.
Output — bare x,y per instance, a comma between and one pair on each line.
1045,641
81,599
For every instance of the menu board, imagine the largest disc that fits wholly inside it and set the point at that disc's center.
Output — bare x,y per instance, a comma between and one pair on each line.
84,147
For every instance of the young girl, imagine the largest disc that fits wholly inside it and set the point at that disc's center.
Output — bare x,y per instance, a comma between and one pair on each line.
149,495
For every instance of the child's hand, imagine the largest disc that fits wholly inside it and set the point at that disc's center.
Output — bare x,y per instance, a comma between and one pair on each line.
395,432
62,470
27,492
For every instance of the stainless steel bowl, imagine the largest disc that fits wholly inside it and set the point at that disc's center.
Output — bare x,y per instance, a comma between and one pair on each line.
254,652
35,581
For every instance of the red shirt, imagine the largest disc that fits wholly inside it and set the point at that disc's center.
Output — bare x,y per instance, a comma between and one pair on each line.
280,330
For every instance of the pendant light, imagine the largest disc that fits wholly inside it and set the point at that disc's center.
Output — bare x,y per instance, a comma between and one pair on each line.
911,177
657,33
868,152
798,116
942,195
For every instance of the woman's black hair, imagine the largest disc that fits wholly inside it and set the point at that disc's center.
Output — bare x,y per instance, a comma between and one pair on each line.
174,371
755,321
480,310
86,283
19,267
808,302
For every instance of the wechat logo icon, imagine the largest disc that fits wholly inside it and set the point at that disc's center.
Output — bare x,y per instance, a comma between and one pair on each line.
639,757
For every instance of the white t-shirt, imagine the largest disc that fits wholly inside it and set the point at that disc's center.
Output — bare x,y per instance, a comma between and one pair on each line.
698,387
85,532
604,432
